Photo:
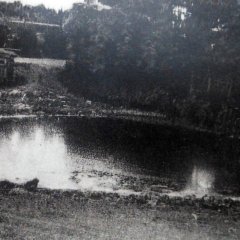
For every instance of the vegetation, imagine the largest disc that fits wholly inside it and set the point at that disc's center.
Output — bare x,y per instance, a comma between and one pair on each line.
32,40
179,58
30,13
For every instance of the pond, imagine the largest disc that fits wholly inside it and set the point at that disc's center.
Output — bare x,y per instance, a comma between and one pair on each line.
122,156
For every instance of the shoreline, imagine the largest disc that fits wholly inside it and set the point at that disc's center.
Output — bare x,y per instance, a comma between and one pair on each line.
209,200
51,99
54,214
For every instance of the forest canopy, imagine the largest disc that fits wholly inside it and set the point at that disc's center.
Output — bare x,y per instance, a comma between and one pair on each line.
178,57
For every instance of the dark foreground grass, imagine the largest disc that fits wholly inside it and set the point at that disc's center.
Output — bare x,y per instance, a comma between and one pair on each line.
68,215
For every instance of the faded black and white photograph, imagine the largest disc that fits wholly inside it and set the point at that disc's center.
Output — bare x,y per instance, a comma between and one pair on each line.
120,120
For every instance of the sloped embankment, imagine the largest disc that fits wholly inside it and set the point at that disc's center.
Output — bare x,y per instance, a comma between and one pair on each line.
41,92
41,70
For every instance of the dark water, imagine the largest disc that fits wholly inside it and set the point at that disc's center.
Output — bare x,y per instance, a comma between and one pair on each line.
117,156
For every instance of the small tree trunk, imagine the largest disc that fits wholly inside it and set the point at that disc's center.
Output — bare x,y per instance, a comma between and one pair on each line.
209,86
191,86
229,93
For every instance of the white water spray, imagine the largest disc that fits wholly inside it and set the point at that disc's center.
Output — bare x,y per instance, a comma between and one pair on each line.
201,182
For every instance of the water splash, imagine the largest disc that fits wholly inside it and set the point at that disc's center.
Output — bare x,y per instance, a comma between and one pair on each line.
200,183
201,180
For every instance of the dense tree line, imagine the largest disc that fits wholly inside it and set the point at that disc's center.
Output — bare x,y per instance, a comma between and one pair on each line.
179,57
30,13
32,41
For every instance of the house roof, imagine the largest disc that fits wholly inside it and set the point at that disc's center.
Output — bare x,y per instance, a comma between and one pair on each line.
7,53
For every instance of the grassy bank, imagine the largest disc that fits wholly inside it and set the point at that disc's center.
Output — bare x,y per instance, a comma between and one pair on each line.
73,215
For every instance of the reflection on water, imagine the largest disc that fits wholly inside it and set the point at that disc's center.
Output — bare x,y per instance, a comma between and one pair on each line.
43,154
110,156
35,155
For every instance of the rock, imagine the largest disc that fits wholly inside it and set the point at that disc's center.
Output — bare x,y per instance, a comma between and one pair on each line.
190,199
17,191
56,195
195,216
153,202
131,198
88,102
163,200
31,185
218,202
158,188
207,198
176,200
75,197
14,93
228,202
6,186
232,230
141,200
210,202
96,195
108,199
67,194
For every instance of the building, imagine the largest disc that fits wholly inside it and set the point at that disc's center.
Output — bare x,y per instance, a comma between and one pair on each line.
91,2
6,65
